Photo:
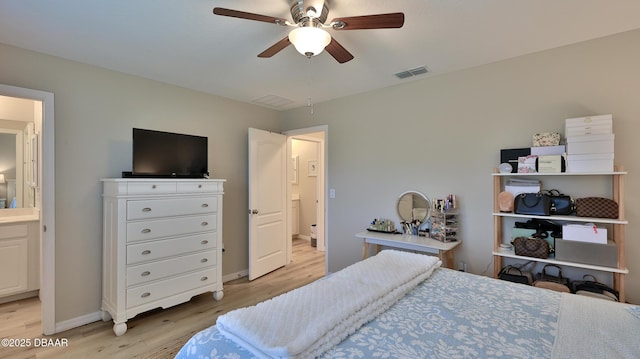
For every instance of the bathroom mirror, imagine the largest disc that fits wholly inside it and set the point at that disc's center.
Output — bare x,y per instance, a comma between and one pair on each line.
413,205
17,149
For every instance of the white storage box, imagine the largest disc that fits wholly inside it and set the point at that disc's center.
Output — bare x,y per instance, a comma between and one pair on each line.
591,125
602,162
517,186
548,150
584,233
550,164
591,253
580,145
516,190
587,130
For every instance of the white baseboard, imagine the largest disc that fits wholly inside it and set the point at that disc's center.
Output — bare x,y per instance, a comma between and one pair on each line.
232,276
305,237
78,321
13,298
96,316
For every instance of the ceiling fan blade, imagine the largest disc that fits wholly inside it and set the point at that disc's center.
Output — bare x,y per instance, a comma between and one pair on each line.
277,47
379,21
338,52
247,15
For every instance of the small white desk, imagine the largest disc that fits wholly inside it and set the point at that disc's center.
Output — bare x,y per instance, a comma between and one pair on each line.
410,242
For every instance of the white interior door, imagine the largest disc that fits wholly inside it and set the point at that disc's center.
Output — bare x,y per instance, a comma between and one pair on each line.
267,202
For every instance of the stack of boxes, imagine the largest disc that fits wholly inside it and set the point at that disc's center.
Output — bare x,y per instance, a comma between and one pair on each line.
589,144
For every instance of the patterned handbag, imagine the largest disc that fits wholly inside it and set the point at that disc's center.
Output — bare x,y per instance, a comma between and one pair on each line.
596,207
545,139
531,247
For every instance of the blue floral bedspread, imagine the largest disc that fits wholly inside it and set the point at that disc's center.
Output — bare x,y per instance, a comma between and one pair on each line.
450,315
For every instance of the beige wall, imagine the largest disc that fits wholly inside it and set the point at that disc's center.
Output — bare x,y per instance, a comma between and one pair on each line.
95,110
443,134
439,135
306,187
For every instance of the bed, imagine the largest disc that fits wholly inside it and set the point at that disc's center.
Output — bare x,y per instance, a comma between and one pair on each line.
443,314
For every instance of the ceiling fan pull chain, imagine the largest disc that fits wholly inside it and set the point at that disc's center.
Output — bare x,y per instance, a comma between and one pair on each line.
310,105
309,82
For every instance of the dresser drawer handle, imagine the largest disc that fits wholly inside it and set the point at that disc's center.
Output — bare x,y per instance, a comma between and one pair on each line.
204,278
204,242
204,224
145,273
205,205
199,186
153,186
146,252
145,294
146,230
146,209
204,260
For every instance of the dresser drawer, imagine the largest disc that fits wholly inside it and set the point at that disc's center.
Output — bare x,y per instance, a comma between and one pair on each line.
155,208
149,251
169,227
151,187
199,186
148,272
151,292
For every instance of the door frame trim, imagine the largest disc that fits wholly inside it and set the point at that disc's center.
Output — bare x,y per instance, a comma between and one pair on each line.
323,173
47,202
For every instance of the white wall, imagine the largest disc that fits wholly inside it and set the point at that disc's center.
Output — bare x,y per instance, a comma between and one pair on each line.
443,134
95,110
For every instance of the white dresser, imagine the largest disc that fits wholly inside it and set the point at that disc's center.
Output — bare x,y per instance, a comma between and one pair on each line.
162,244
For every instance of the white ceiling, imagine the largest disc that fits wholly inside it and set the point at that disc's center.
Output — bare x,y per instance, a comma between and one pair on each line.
183,43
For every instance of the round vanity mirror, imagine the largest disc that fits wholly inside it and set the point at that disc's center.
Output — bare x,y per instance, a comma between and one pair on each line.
413,205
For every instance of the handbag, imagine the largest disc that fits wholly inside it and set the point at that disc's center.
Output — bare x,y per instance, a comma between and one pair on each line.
545,139
541,226
516,274
548,281
560,203
537,204
531,247
596,207
593,288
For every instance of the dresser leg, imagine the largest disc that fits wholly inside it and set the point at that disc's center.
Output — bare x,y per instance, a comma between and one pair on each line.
119,328
218,294
105,316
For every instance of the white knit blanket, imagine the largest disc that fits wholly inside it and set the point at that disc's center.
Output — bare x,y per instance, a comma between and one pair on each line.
310,320
612,325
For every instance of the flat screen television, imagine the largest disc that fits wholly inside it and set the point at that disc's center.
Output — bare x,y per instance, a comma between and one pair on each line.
168,155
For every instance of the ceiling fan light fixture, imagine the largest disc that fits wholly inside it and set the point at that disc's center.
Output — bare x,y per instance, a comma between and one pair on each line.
309,40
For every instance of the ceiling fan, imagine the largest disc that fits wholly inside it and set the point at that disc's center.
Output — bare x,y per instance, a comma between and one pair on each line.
309,36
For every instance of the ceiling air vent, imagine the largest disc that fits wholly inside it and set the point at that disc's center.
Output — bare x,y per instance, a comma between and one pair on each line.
413,72
273,101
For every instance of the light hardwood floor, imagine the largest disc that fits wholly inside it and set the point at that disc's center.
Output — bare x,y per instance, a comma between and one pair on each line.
159,333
